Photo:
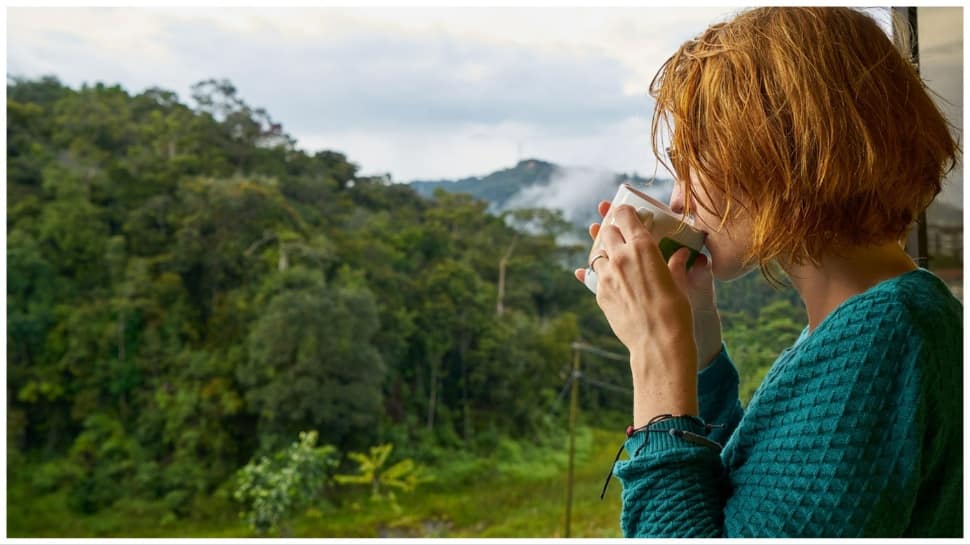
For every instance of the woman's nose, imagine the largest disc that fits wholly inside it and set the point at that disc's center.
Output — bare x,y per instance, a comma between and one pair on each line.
677,199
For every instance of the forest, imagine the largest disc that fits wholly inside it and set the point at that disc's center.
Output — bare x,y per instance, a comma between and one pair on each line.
196,306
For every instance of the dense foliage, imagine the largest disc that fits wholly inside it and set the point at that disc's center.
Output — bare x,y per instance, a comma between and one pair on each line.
187,290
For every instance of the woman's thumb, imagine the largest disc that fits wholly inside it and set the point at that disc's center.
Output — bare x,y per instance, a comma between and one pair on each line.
701,277
700,270
678,269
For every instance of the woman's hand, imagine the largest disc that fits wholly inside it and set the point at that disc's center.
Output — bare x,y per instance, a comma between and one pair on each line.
698,284
650,314
635,288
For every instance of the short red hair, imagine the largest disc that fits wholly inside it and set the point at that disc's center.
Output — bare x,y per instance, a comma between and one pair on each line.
812,121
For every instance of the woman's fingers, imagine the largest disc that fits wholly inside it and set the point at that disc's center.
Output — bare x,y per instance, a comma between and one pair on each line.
632,225
611,238
603,207
634,230
594,228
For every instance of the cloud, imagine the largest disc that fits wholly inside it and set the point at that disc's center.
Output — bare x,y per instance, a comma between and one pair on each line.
575,191
571,191
417,92
89,44
370,78
421,152
376,81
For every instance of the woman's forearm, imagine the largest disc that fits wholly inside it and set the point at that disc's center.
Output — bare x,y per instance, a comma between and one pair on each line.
663,385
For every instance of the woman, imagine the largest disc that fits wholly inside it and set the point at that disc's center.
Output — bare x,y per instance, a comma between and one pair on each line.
804,141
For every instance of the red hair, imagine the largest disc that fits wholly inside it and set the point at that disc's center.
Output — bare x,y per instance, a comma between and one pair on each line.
810,121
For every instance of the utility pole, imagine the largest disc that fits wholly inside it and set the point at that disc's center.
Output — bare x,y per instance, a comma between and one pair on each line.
579,346
573,410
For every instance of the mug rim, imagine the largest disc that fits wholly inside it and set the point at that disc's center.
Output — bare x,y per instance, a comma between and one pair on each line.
650,199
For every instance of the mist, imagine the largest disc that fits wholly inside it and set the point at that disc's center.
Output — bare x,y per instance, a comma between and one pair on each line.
575,192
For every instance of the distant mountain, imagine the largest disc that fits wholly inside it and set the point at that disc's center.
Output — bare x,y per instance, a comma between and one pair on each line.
576,190
498,187
536,183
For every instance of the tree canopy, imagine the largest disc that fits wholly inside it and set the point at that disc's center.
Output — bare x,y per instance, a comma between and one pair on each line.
187,289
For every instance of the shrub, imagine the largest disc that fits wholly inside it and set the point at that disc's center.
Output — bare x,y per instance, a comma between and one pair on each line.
273,490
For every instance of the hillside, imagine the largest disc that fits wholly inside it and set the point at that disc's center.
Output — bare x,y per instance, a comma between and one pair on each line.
497,187
541,184
188,291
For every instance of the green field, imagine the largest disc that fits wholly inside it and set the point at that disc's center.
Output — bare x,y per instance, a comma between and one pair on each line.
522,496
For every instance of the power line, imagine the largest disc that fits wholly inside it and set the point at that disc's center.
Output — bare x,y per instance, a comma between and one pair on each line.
605,385
600,352
573,386
565,388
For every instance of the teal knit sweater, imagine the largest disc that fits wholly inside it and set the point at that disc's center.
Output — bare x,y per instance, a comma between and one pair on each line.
856,431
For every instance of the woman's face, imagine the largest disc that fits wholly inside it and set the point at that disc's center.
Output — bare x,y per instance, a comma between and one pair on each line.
728,245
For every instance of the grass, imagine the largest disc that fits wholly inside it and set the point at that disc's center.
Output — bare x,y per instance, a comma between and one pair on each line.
521,492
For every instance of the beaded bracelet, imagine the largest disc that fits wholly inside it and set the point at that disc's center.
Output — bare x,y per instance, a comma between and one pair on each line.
680,434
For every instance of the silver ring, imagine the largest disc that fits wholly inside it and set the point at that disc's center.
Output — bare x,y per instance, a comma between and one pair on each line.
599,255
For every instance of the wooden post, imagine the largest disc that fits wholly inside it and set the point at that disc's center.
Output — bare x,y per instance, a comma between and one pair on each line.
573,410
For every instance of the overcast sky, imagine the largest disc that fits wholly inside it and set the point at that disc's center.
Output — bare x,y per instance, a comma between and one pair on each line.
417,93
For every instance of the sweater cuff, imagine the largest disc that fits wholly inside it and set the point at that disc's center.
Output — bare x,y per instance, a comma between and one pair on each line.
659,442
720,371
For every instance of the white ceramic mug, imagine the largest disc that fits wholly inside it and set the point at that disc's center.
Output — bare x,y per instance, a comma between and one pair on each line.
672,234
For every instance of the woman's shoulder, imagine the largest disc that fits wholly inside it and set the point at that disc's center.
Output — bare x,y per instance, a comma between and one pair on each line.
918,301
912,312
913,297
903,334
925,296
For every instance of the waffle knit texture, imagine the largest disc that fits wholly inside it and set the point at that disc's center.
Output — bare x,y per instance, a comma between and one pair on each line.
856,431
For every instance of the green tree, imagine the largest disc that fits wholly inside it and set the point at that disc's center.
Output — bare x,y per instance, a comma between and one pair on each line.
104,462
455,306
187,288
755,344
311,363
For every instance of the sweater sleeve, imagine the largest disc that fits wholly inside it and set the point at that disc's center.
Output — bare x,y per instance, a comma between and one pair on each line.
717,393
829,448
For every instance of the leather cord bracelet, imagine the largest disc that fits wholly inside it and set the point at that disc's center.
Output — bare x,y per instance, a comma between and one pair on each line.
685,435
